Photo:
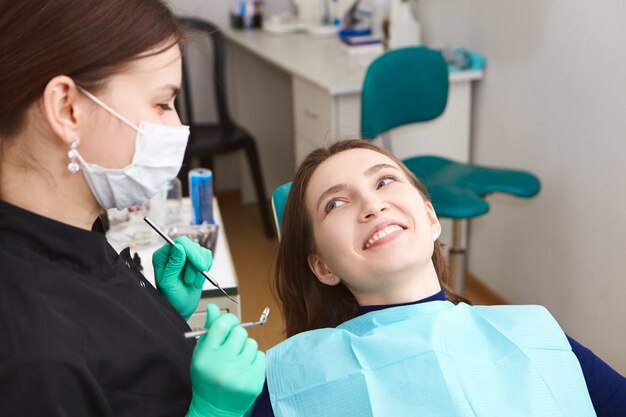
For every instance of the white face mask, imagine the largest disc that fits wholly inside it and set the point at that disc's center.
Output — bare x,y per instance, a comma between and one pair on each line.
159,151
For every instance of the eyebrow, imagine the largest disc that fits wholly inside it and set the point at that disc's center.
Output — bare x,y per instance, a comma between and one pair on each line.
374,169
339,187
173,89
330,191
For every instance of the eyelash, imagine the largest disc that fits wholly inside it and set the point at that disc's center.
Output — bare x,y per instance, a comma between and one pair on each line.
164,106
328,209
386,177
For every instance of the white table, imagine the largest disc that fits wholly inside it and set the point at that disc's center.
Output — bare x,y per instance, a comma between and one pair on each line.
222,270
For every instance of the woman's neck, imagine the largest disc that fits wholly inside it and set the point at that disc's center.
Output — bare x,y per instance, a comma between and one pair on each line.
41,183
402,288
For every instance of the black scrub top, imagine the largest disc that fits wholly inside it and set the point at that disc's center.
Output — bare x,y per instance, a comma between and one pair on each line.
82,333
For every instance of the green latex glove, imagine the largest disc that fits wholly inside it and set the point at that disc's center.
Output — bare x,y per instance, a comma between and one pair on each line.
227,369
176,273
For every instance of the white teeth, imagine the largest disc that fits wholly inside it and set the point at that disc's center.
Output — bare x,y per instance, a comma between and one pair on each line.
382,233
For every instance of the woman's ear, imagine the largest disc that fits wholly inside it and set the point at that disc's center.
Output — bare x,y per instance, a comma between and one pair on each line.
322,271
434,221
60,107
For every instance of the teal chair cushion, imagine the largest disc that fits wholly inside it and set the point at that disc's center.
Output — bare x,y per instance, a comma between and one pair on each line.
279,199
406,85
457,189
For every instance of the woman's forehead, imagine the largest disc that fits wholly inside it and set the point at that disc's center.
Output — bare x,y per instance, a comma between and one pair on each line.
351,162
344,167
156,59
150,74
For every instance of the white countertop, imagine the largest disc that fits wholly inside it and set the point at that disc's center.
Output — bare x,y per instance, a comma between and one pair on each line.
320,60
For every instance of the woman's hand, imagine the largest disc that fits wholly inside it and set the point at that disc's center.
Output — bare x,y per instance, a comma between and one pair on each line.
177,276
227,369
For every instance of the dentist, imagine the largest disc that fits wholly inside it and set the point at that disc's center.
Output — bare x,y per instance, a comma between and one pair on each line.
87,123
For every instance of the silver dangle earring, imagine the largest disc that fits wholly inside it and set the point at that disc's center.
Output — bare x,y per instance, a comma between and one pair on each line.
73,166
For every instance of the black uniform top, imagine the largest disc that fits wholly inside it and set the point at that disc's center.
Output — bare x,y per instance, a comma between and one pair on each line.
82,333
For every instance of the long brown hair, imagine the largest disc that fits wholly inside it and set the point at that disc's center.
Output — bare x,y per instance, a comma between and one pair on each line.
308,304
87,40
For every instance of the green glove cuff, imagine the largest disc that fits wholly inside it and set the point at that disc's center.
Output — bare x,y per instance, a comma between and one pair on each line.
200,408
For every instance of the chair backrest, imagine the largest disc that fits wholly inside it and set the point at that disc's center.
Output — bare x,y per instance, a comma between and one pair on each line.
403,86
279,199
193,28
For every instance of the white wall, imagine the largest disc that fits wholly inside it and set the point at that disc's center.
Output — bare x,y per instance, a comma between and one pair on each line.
214,10
554,102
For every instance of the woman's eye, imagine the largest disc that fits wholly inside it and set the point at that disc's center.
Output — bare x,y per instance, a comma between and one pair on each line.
384,181
333,204
164,106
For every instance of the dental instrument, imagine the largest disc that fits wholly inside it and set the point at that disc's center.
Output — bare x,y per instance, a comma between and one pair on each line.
171,242
261,322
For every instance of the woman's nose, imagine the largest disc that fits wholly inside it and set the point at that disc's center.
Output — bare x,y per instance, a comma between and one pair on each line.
176,119
372,208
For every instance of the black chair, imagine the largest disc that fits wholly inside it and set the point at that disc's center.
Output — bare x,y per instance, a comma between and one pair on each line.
206,140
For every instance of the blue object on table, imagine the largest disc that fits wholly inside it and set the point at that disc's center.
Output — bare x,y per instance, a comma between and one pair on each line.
201,193
361,40
462,59
344,33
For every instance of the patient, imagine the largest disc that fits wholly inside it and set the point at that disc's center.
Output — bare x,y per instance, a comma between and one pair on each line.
375,330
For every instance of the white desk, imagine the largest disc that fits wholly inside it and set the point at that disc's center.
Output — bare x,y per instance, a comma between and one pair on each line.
222,270
297,92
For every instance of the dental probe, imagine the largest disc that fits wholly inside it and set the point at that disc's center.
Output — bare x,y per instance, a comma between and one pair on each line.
171,242
261,322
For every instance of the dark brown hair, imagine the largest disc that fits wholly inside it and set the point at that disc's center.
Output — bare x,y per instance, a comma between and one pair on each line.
308,304
87,40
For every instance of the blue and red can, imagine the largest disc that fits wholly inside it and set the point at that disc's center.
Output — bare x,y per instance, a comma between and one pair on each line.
201,193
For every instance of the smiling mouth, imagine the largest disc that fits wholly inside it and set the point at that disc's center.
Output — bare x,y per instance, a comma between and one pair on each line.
391,229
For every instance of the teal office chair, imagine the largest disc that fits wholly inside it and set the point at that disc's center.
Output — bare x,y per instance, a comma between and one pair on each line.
279,199
410,85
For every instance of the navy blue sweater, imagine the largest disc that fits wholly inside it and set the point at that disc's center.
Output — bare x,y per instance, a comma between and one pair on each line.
606,387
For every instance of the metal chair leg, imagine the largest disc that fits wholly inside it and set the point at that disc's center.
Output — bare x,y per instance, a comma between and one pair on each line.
457,258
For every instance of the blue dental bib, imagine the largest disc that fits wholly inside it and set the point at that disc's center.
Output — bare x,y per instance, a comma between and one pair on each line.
431,359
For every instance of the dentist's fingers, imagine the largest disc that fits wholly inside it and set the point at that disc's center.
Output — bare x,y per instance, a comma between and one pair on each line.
220,330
